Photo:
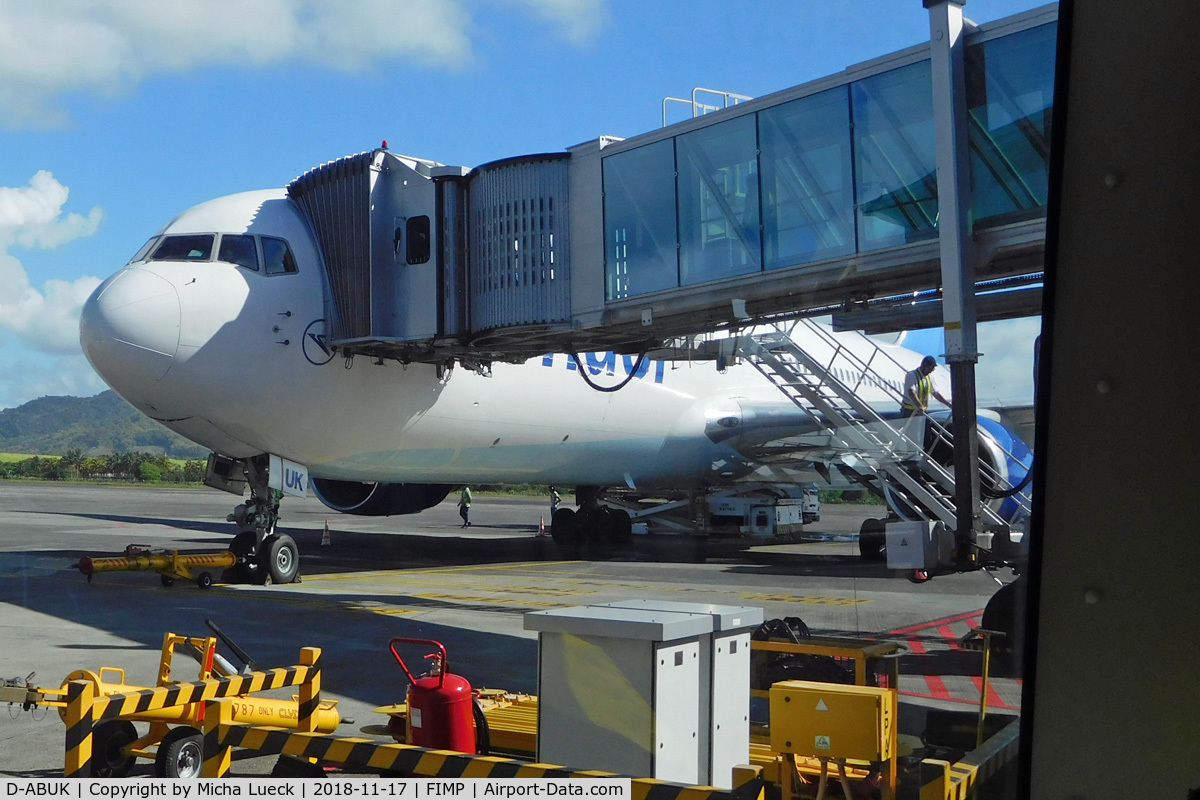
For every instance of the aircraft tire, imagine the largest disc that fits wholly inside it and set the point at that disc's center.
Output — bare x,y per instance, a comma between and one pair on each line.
107,740
279,558
246,570
621,526
564,527
180,754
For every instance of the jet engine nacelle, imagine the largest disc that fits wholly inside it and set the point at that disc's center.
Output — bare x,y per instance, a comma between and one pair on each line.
378,499
1005,462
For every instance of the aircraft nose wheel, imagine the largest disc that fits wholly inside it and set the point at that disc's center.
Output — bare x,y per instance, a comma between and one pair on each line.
279,558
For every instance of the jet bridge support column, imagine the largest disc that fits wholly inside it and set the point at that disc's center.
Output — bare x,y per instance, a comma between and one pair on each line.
946,45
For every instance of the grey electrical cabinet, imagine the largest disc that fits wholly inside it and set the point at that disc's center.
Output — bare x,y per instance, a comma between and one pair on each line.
617,690
724,688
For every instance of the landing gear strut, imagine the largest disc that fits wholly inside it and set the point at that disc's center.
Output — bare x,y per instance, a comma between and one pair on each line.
262,553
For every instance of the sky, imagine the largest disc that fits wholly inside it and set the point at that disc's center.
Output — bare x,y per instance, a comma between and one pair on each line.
116,115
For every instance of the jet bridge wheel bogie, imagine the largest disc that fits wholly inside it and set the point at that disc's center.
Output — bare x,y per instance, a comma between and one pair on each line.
279,558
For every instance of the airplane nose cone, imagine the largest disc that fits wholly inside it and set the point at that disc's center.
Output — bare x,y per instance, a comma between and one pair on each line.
129,329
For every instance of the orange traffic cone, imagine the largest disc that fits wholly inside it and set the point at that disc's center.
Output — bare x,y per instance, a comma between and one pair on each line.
542,526
325,536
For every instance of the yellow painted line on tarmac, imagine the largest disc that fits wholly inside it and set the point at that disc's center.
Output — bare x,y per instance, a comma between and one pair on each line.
389,611
808,600
342,576
478,600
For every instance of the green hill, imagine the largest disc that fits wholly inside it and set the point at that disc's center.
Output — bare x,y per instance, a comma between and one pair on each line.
96,425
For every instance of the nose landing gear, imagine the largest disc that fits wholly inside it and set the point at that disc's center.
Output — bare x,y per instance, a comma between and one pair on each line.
263,553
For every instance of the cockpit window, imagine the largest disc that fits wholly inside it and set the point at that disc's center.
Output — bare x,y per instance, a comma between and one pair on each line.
140,255
193,247
277,256
238,249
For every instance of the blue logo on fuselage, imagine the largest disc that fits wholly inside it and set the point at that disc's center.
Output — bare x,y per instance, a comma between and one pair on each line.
606,364
314,345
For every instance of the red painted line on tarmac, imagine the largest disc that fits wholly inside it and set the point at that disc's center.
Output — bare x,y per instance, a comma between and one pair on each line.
935,623
948,634
951,699
994,700
937,688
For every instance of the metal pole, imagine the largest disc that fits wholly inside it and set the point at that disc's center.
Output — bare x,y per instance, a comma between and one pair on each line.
946,44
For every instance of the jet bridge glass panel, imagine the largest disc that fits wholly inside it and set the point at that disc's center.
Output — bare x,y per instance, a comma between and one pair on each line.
895,157
639,221
807,179
1010,94
718,201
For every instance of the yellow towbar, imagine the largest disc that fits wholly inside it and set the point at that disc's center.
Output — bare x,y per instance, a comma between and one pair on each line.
169,564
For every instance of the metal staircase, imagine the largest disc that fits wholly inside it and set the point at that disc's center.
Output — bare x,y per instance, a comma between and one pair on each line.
894,456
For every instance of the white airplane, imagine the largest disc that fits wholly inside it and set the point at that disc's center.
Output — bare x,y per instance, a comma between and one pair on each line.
215,329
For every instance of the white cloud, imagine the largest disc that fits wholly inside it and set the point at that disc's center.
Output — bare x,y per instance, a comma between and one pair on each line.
45,319
28,378
108,46
580,20
1005,370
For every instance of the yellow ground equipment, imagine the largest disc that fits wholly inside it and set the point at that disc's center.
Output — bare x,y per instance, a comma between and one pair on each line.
173,740
169,564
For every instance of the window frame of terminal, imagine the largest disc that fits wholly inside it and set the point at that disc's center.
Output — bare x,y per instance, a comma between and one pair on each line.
891,226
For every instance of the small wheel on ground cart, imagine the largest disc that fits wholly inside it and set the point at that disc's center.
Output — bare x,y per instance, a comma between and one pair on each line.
166,580
204,580
108,740
180,754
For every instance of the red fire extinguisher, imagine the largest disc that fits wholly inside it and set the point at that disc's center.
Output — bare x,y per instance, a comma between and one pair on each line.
439,704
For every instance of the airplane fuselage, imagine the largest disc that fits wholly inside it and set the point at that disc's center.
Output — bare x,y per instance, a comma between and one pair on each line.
235,358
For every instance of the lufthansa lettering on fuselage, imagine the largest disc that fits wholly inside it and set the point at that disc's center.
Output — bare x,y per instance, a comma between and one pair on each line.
606,364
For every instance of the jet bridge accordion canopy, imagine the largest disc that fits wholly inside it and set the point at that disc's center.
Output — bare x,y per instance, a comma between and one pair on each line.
423,259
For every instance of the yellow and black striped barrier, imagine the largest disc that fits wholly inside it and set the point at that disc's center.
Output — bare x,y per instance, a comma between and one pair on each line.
221,735
956,781
84,708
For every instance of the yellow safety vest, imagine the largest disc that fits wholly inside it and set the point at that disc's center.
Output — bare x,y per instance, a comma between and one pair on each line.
924,387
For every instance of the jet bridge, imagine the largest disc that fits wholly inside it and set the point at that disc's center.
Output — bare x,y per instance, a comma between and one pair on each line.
822,198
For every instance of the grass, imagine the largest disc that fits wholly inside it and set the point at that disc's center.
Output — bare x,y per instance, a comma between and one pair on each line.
12,458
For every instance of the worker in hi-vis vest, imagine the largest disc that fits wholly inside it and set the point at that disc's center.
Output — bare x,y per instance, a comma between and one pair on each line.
918,386
464,506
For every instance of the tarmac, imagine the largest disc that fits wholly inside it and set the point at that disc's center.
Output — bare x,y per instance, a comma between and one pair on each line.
419,576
